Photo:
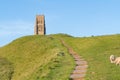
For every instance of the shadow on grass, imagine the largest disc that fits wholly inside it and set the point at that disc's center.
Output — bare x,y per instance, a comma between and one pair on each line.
6,69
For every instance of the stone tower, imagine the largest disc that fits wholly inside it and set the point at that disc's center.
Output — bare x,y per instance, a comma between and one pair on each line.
40,25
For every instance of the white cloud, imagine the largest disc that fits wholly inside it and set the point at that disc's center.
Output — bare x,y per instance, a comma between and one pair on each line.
14,29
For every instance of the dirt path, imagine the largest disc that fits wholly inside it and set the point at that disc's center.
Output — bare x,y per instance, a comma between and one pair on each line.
80,69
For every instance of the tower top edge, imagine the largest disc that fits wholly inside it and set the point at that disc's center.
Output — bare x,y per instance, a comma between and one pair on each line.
41,15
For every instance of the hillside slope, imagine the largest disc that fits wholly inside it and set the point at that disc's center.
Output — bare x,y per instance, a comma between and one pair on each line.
45,58
37,58
97,50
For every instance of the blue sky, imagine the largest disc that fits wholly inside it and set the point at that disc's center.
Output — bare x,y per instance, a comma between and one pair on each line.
74,17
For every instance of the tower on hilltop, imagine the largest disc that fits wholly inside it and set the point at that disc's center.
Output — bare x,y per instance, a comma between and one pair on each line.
40,25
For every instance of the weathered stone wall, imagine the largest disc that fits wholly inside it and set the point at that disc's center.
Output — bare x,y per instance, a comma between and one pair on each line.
40,25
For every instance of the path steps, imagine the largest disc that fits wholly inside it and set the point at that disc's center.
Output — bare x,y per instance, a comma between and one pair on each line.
81,65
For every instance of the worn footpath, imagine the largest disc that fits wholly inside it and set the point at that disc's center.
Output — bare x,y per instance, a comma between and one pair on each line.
80,69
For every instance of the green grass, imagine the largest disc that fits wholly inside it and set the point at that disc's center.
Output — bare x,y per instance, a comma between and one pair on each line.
6,69
96,50
38,58
45,58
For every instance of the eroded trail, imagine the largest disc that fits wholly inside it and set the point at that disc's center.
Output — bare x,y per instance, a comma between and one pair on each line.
80,69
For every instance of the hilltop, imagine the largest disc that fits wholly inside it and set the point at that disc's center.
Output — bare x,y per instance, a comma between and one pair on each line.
45,58
37,58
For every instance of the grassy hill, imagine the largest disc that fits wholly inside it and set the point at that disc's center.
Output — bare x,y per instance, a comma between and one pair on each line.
36,58
45,58
96,50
